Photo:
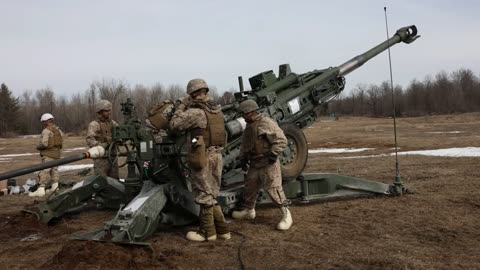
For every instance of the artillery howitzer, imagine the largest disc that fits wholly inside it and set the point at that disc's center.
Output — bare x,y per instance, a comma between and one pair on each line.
157,186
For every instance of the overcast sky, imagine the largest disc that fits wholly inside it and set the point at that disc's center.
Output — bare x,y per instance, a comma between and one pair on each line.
66,45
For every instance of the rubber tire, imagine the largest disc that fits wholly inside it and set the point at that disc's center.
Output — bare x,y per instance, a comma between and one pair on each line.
293,168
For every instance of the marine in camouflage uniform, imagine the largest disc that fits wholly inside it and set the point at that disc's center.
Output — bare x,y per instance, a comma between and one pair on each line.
100,133
50,147
262,143
205,126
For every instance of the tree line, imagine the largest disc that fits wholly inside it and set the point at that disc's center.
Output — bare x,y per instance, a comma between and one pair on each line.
21,115
445,93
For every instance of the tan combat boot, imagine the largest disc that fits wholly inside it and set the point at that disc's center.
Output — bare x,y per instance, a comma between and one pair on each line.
207,227
52,188
40,192
220,225
244,214
286,221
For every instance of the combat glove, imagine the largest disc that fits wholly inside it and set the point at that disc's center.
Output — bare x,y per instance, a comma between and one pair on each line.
183,103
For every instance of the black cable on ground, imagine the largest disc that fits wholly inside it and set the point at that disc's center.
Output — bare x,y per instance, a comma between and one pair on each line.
239,250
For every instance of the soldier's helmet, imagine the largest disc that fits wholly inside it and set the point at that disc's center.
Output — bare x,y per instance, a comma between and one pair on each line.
248,106
46,117
103,105
195,85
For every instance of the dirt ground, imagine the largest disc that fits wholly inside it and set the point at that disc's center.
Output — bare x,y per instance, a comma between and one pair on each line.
438,227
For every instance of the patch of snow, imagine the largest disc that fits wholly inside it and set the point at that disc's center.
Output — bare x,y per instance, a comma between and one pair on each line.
338,150
2,160
371,156
448,152
75,149
30,136
445,132
19,155
74,167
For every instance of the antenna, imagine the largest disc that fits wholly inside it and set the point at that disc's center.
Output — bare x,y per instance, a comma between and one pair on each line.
397,183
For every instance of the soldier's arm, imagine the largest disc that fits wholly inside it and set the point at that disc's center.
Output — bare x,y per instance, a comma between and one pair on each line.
93,129
189,119
275,136
43,143
61,134
242,151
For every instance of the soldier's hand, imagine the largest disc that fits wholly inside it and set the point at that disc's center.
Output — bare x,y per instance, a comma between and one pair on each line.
186,101
183,103
272,157
41,147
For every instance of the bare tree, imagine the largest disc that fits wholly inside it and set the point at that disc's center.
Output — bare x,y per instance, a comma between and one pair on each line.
113,91
175,91
91,95
465,82
213,93
46,100
156,94
373,94
28,105
140,98
227,97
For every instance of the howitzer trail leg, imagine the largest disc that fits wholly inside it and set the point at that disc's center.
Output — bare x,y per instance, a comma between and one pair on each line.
109,193
136,221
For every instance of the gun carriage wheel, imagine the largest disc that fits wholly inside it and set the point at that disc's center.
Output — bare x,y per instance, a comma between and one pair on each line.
295,155
114,151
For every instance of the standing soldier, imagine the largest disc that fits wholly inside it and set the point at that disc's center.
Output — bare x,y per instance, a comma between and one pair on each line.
50,146
100,133
205,124
263,141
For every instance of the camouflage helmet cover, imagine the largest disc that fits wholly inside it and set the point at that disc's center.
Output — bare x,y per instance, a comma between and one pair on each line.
195,85
103,105
248,106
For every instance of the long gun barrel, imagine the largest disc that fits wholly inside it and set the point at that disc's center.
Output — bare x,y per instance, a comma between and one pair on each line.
406,34
91,153
291,98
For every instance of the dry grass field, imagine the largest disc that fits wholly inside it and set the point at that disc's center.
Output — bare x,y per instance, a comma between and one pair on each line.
438,227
